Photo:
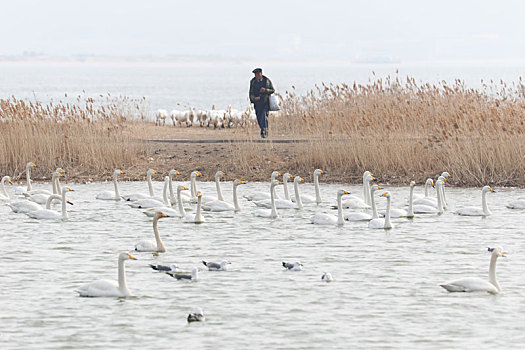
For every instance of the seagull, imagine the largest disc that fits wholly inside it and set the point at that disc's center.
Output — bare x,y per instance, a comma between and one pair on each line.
184,277
171,267
196,316
327,277
296,266
215,266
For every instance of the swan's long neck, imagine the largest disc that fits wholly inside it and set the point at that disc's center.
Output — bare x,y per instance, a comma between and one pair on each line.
388,224
286,192
410,212
165,191
115,184
160,245
318,199
172,195
4,192
54,185
340,218
427,186
194,274
198,214
235,200
492,272
366,190
57,185
443,194
218,186
28,178
484,204
50,200
64,203
439,201
193,186
150,186
122,285
374,208
179,203
298,201
273,214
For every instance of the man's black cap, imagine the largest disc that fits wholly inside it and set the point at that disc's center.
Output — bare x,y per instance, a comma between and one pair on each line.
257,70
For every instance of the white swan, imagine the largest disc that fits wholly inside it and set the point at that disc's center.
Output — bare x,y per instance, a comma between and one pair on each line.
220,197
329,219
446,176
286,177
193,185
405,213
24,206
432,202
173,198
218,205
154,202
112,195
197,218
355,202
474,284
19,190
109,288
182,212
153,246
428,183
41,197
5,196
136,196
516,204
283,203
431,209
477,211
311,199
362,216
167,209
48,214
269,213
259,196
380,222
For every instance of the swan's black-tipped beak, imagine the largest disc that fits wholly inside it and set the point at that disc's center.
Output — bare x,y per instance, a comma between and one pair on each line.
69,202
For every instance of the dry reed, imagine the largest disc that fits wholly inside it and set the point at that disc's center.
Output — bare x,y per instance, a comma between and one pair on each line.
399,129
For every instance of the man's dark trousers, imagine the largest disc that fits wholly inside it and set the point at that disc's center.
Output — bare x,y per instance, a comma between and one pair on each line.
261,111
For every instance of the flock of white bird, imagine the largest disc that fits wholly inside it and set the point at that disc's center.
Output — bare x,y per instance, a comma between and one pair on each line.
216,118
175,204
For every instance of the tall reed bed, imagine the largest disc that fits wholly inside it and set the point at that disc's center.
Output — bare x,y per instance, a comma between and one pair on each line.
91,136
401,129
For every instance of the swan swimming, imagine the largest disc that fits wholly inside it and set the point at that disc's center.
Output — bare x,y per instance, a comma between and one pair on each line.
109,195
381,223
167,208
153,246
5,196
19,190
218,206
286,177
40,197
197,218
269,213
284,203
48,214
329,219
136,196
361,216
109,288
477,211
311,199
474,284
193,185
208,199
427,209
259,196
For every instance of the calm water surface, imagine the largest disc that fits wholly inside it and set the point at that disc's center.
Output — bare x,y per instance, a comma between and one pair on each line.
385,295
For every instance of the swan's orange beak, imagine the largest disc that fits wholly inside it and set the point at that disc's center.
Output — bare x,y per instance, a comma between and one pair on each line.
379,187
185,188
279,182
346,192
131,257
492,190
242,182
223,173
69,202
163,215
121,172
278,174
177,172
301,179
199,194
70,189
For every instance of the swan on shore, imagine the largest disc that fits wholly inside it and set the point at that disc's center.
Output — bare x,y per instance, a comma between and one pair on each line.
197,218
474,284
19,190
218,205
109,288
136,196
477,211
153,246
269,213
112,195
48,214
259,196
5,196
380,222
329,219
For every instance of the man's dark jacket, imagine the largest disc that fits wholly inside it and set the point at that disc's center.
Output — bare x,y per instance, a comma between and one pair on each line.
264,95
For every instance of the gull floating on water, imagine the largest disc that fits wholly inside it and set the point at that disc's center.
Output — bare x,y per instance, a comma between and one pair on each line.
212,266
185,277
196,316
170,268
327,277
296,266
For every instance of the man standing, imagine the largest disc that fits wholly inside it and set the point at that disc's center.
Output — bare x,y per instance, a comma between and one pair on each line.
260,90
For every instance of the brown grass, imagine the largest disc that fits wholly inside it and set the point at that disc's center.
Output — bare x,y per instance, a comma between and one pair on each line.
399,129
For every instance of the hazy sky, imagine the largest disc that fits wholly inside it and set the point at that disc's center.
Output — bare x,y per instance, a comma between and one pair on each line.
407,30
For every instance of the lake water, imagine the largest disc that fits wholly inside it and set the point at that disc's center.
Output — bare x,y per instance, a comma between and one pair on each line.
385,295
179,86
